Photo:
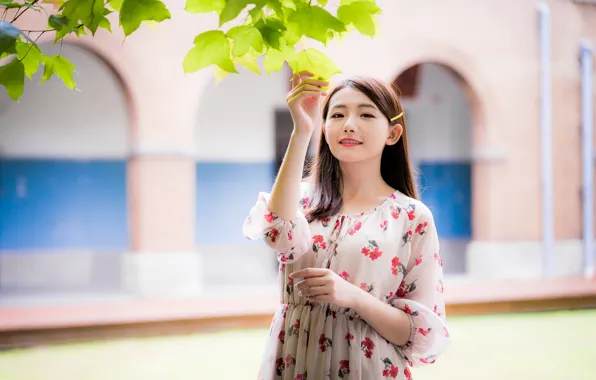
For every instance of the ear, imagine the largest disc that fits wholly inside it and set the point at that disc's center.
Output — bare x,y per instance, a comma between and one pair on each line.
395,133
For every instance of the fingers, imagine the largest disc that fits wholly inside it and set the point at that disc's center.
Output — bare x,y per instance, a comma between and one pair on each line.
309,272
305,94
297,77
313,281
307,77
314,291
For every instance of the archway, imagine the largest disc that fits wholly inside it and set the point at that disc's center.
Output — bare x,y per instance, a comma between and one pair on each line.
440,120
64,153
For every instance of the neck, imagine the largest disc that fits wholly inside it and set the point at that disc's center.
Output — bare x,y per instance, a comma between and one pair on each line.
362,179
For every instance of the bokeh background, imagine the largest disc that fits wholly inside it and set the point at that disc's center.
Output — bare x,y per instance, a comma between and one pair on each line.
121,203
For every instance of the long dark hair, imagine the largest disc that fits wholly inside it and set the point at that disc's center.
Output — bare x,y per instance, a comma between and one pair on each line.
325,173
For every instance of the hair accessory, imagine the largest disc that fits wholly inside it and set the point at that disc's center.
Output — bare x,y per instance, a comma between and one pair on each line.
398,116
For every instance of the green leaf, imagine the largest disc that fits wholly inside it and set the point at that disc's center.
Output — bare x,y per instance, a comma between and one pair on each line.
316,62
88,12
8,36
322,2
231,10
277,8
205,6
274,59
11,5
244,38
12,77
30,56
211,48
219,74
60,66
249,60
115,4
316,22
361,14
133,12
272,31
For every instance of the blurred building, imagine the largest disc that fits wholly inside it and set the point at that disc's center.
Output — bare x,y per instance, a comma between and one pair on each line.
141,179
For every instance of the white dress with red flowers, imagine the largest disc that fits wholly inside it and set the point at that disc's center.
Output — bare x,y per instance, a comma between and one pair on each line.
392,252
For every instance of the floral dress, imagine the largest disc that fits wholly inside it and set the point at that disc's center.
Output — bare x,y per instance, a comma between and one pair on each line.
392,252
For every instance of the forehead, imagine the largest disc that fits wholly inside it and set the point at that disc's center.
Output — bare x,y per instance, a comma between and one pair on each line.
349,97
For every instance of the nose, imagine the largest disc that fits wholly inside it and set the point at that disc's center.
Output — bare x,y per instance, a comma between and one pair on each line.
349,125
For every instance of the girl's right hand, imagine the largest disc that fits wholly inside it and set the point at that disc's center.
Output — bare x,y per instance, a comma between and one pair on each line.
304,101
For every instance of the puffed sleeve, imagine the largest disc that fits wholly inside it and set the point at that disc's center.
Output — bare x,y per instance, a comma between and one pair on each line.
289,238
420,294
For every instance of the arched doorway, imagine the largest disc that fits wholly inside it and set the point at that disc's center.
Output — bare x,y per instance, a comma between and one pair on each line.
63,154
439,123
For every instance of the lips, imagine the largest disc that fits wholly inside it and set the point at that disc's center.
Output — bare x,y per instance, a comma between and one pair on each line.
347,141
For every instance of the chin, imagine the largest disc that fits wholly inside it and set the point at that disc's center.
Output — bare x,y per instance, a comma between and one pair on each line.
349,155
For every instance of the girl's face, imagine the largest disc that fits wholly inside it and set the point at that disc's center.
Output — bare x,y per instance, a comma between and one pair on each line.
355,129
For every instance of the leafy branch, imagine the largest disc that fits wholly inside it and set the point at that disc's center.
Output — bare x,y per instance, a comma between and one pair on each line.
248,30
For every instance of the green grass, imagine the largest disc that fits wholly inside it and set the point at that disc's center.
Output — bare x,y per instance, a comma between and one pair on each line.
545,346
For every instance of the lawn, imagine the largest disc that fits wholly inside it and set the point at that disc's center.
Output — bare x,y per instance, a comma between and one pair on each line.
543,346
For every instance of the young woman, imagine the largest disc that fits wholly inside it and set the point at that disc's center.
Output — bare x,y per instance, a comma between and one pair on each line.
360,271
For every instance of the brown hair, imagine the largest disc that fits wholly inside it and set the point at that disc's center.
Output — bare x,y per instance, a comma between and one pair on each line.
325,172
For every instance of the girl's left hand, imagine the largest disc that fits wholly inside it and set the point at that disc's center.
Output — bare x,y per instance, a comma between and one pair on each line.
324,285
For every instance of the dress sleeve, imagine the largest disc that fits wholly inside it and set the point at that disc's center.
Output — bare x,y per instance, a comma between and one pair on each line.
420,295
290,238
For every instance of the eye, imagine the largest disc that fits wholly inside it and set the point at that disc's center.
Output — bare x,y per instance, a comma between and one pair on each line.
336,115
368,115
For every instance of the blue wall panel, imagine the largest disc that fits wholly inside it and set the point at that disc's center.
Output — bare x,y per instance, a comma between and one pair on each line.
225,194
445,187
61,204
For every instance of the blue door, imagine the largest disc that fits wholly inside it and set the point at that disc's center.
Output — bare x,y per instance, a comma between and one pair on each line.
445,187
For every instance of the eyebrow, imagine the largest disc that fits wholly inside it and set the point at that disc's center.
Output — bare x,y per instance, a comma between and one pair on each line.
363,105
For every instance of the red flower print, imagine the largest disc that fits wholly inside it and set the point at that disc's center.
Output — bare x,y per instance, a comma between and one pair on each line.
428,360
279,366
367,346
423,331
324,343
375,254
384,225
419,260
344,275
318,242
395,211
390,370
270,217
272,235
404,289
436,310
446,332
344,368
372,251
300,376
349,338
411,214
407,373
289,360
325,221
295,328
407,237
282,267
421,228
407,309
366,288
281,336
304,203
396,266
355,229
439,259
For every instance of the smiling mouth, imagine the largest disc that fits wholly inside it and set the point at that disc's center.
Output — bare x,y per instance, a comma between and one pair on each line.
350,142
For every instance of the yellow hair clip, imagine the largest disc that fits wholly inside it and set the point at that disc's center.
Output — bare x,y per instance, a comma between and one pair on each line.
398,116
